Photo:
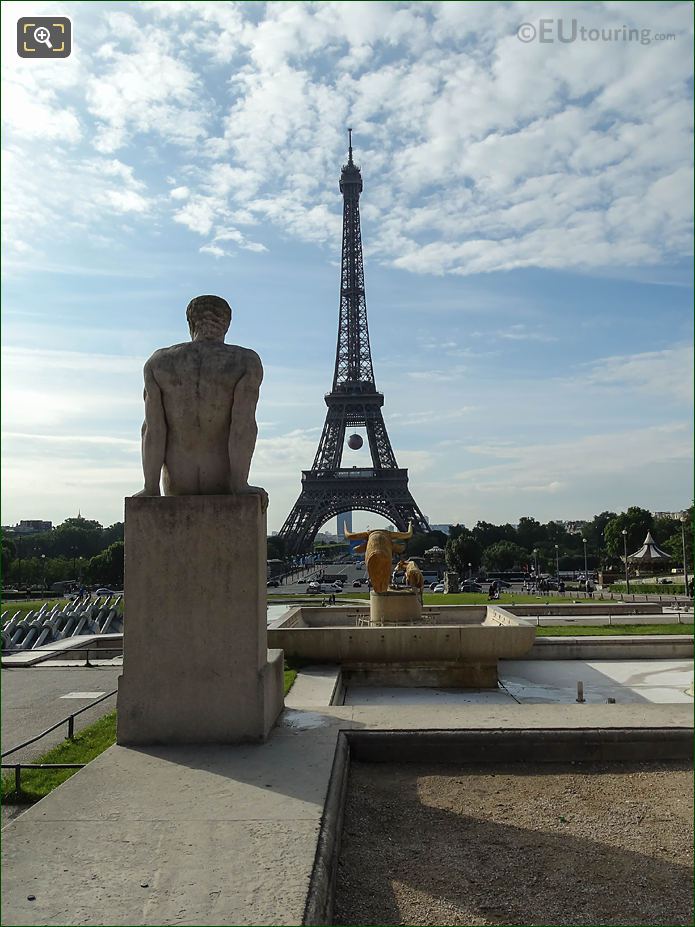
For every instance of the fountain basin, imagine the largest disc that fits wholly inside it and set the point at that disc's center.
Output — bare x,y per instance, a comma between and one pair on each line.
451,645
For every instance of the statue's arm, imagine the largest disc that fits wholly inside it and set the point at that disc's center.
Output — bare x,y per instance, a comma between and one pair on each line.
242,425
154,433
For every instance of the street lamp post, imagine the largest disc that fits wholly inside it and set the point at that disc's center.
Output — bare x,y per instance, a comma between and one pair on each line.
586,567
43,564
470,570
685,559
535,561
627,575
557,562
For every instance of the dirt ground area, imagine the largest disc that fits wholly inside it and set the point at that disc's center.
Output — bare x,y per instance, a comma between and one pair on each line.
577,844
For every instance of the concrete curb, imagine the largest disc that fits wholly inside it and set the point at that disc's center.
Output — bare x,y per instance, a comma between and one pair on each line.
319,902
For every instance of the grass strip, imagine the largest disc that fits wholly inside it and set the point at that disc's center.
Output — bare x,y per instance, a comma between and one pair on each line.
88,744
612,630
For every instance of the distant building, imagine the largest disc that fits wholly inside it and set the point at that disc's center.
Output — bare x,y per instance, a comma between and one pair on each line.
573,527
344,523
676,515
324,537
30,526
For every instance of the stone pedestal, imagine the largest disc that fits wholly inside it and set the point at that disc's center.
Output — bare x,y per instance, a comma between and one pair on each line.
397,606
196,668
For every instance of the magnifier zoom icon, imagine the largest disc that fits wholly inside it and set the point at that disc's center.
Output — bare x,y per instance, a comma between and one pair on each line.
43,35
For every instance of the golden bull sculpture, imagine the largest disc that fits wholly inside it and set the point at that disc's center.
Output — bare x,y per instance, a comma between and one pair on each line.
413,575
378,549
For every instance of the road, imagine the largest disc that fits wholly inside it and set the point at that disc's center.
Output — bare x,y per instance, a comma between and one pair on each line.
32,700
349,570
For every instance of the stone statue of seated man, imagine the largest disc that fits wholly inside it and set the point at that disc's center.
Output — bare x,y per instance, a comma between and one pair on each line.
200,428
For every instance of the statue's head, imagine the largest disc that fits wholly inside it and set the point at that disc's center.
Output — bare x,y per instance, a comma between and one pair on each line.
208,318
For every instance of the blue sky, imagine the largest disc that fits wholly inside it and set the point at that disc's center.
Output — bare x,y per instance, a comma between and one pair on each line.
526,216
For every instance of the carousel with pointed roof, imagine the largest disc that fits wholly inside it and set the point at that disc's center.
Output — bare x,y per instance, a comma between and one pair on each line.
649,559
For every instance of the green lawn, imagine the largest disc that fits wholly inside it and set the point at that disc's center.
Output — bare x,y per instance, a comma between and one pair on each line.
481,598
612,630
88,744
667,589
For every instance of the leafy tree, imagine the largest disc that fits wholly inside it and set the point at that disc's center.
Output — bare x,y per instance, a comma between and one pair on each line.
505,555
106,568
419,543
112,534
276,548
556,534
674,544
530,533
455,530
487,534
462,550
9,552
636,522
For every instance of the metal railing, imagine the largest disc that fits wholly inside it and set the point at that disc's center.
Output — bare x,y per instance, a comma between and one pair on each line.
95,651
70,721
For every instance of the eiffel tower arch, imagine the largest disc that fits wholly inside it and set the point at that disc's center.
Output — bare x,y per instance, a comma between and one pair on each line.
328,488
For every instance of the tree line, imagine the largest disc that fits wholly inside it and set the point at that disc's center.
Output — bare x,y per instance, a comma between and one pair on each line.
551,545
79,548
490,547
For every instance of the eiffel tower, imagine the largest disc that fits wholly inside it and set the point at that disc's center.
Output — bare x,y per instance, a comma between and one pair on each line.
328,488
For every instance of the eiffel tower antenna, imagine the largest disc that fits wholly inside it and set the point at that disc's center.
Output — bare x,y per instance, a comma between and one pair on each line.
329,488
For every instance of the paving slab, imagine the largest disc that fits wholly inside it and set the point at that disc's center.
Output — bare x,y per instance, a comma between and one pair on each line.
223,835
157,872
314,685
177,835
33,700
515,716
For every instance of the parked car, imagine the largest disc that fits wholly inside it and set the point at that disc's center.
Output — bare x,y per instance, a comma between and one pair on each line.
272,582
104,591
357,584
470,587
438,588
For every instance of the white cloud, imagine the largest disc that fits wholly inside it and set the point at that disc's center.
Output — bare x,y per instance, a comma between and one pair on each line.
53,197
145,88
214,250
514,467
663,375
480,152
521,332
